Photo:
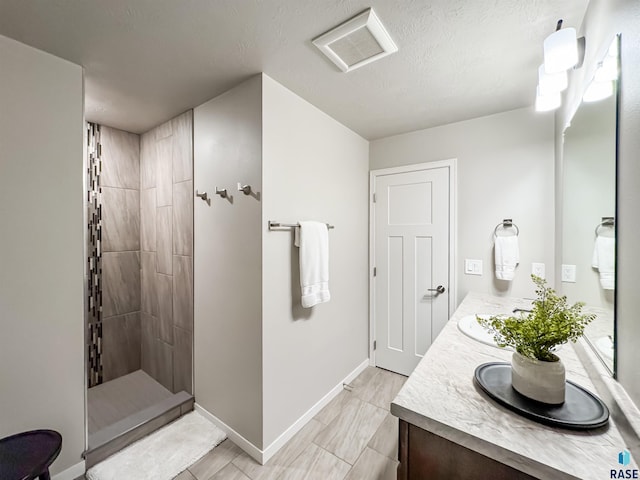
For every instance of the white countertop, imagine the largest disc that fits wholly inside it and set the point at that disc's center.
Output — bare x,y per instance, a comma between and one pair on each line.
440,397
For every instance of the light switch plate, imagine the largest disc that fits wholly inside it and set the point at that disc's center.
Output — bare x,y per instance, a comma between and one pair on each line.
472,267
569,273
537,269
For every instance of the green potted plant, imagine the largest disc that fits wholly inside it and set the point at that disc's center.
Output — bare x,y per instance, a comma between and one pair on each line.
536,371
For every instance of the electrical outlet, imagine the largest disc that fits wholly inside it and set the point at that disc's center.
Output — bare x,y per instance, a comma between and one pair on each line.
569,273
537,269
472,267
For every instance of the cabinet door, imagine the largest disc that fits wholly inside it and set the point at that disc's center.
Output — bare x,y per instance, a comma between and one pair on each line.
424,455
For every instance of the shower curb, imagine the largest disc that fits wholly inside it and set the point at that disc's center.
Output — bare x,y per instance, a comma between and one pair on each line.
111,439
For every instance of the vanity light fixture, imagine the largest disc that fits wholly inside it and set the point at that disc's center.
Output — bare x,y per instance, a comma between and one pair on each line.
560,49
552,82
561,53
548,102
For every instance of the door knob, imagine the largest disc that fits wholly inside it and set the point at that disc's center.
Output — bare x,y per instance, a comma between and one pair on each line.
439,289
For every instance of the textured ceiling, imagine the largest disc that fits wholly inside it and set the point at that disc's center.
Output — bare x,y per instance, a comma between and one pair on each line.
148,60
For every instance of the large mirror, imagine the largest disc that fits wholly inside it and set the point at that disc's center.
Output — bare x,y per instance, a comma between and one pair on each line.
589,204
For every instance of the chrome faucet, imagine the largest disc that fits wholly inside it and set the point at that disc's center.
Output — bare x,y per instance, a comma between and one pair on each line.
516,310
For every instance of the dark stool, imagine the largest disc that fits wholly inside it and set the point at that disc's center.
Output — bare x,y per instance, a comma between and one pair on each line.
28,455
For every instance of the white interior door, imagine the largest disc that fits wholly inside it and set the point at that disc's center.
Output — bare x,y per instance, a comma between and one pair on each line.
412,254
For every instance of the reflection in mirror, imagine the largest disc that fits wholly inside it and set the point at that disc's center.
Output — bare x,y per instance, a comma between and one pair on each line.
589,206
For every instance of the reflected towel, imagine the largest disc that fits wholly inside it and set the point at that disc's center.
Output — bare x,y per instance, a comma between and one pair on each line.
507,256
604,254
313,240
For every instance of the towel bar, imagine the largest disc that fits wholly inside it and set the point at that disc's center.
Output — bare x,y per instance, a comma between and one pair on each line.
273,224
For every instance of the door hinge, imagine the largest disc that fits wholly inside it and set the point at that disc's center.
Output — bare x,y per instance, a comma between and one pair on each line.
375,271
375,344
374,198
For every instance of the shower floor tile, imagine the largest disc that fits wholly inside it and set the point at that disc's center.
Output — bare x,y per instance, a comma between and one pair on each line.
115,400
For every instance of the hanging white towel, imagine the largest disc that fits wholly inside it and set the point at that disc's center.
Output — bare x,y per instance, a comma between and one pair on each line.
604,254
313,240
507,256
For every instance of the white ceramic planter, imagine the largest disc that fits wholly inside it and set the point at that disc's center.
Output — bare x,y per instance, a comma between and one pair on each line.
538,380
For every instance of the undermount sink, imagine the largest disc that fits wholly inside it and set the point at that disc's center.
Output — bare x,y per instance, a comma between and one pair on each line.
471,328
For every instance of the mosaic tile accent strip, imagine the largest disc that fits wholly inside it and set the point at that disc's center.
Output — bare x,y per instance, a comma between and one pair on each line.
94,257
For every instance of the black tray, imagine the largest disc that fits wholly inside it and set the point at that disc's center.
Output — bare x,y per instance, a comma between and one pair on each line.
581,409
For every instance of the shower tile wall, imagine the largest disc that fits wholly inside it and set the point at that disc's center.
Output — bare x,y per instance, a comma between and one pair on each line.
121,288
94,256
166,241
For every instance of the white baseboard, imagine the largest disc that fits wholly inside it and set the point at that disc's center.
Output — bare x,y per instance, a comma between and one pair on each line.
235,437
71,473
271,450
263,456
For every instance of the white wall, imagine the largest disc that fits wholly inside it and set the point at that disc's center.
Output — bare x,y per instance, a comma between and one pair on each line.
314,168
228,259
505,170
41,247
603,19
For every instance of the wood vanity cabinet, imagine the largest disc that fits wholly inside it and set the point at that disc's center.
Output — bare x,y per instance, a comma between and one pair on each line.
425,456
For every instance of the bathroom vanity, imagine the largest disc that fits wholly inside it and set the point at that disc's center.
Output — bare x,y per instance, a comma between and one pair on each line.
450,429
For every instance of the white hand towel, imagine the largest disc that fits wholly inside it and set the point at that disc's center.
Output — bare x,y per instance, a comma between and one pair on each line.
507,256
604,254
313,240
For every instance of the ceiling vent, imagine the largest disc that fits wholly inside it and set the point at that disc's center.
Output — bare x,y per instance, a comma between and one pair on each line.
356,42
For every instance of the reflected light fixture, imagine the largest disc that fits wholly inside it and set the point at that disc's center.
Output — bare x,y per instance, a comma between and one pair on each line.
604,77
607,70
606,74
598,91
560,49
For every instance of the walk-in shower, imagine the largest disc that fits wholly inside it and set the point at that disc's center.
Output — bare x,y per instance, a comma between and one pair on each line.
139,314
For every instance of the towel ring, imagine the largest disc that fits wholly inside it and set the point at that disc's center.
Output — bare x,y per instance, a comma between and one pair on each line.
506,223
606,222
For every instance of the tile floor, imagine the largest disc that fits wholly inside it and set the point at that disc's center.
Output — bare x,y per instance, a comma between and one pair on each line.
353,438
